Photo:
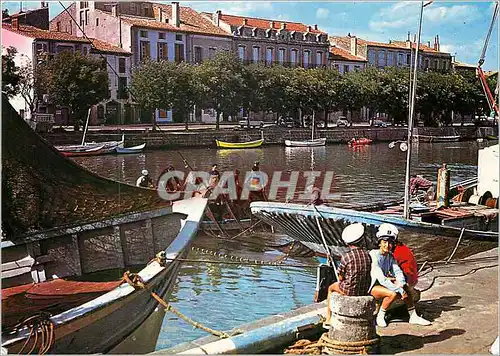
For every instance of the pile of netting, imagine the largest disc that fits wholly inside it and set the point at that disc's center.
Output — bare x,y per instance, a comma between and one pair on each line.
41,189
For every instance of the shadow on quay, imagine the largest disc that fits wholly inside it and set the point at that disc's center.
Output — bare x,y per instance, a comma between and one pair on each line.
405,342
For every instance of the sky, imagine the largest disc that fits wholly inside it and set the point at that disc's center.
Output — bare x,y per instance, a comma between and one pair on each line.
462,26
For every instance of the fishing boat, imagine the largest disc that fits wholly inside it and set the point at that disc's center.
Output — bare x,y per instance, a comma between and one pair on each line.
239,145
424,138
359,142
307,143
130,150
82,151
50,281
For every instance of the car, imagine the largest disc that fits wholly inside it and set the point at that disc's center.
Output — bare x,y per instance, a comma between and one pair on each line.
250,123
380,123
343,122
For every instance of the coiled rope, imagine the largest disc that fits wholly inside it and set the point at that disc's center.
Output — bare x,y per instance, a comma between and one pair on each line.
332,346
39,324
137,283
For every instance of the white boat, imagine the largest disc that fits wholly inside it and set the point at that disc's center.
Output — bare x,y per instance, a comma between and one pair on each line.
307,143
127,150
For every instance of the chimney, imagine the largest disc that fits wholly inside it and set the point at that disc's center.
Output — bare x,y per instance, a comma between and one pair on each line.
176,19
43,4
271,24
161,15
216,17
309,28
414,38
283,26
429,44
114,10
354,46
15,23
408,39
245,22
316,27
436,43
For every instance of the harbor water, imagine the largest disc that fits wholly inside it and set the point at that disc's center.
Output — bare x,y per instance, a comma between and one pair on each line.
223,296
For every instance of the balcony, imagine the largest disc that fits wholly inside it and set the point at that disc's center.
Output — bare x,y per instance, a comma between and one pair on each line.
284,64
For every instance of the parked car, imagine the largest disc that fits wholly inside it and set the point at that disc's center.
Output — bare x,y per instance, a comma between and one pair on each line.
251,124
343,122
380,123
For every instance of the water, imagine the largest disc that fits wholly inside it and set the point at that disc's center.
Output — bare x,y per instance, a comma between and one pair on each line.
223,296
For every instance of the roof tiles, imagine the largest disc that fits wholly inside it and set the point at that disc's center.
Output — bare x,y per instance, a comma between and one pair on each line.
265,24
345,55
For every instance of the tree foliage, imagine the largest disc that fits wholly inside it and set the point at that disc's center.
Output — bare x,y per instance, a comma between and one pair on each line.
10,72
74,80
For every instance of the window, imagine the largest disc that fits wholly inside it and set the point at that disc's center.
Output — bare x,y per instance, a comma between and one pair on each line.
346,69
84,4
178,37
445,65
401,59
256,54
319,58
85,50
62,48
122,88
132,8
307,54
41,48
211,52
371,57
97,21
293,57
143,34
381,58
198,54
336,66
162,51
269,56
86,17
436,64
82,18
179,52
281,55
70,27
121,65
426,64
58,26
241,52
408,59
161,35
144,51
357,68
389,59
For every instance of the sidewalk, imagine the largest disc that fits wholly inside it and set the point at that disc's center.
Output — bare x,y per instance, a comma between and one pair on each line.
463,311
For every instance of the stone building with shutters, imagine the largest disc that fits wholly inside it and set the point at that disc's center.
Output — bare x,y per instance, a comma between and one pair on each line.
271,41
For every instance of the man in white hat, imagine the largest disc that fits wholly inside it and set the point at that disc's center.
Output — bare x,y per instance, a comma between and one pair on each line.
355,265
144,181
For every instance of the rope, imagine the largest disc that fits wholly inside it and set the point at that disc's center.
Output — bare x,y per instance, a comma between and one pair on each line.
137,283
456,246
37,324
332,346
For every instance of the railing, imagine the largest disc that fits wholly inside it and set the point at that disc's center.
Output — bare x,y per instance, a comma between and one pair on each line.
48,118
284,64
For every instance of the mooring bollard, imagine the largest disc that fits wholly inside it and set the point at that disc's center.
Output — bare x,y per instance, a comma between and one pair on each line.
352,325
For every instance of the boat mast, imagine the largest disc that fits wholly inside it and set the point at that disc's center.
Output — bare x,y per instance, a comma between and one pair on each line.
406,211
86,127
312,130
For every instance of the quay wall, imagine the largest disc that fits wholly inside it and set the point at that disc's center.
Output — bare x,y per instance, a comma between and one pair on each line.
272,135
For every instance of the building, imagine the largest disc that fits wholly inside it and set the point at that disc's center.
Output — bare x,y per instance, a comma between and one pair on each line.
35,44
147,30
344,61
271,41
396,53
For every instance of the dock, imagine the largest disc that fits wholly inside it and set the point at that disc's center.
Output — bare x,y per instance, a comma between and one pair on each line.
462,303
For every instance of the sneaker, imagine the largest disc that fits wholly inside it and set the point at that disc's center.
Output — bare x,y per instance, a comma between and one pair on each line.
418,320
381,320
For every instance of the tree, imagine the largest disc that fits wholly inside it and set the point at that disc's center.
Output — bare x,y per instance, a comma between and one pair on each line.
222,83
74,80
10,72
27,84
327,90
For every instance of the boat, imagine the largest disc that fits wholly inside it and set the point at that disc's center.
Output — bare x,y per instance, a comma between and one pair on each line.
424,138
68,237
129,150
54,285
82,151
233,145
359,142
307,143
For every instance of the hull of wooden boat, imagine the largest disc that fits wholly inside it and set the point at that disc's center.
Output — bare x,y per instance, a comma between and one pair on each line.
423,138
102,323
299,222
83,151
130,150
306,143
250,144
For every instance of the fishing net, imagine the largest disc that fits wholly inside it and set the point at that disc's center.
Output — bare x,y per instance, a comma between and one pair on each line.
41,189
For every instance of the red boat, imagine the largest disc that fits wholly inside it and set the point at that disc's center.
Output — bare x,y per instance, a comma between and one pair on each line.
82,151
359,142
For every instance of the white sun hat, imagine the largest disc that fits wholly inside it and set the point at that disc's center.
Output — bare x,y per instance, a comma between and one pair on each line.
353,233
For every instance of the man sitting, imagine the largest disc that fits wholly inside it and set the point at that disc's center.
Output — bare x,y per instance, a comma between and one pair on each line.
389,283
354,270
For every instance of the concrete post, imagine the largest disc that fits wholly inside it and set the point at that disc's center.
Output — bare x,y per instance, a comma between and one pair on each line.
353,319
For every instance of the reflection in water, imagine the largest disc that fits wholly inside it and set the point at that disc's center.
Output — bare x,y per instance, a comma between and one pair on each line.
224,296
